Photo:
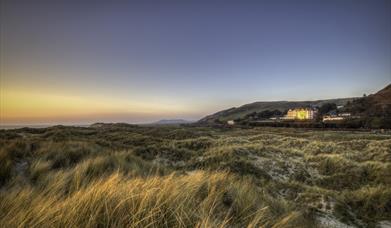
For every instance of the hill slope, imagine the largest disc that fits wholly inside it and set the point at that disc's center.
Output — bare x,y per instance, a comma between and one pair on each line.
241,111
374,105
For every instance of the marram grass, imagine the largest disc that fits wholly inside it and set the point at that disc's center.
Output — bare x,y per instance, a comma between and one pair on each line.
197,199
132,176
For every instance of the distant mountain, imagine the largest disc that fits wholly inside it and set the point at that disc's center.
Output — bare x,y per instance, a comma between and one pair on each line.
172,121
234,113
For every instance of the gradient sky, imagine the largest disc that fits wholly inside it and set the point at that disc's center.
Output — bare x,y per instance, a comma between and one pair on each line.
138,62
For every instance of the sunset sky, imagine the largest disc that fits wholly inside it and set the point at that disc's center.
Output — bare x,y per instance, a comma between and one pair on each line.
73,63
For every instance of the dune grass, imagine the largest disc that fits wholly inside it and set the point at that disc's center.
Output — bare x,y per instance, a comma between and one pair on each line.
130,176
198,199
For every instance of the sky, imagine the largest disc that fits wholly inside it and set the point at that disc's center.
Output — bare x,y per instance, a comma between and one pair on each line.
67,62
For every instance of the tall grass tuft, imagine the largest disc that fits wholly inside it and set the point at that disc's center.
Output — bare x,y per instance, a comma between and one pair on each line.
196,200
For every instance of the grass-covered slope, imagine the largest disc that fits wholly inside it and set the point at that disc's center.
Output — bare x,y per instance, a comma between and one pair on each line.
374,105
119,175
240,112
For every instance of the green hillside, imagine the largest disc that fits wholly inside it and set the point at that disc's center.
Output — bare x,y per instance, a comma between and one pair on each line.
234,113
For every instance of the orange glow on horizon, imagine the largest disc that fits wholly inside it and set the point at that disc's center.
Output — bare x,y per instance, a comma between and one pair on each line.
31,106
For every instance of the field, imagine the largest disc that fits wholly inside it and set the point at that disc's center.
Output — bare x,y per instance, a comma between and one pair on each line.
118,175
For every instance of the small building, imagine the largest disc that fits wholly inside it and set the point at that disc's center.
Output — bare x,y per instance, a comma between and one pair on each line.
335,117
231,122
332,118
345,114
300,114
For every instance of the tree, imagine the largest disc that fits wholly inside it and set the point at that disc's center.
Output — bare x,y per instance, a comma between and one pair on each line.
277,112
327,107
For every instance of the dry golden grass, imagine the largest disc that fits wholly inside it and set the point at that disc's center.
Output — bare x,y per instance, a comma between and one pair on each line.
129,176
198,199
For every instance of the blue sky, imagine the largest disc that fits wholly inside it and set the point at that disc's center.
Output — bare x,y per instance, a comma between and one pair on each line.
186,60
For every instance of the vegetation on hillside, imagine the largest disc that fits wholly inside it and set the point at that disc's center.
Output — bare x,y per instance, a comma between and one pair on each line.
374,109
259,107
119,175
371,112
